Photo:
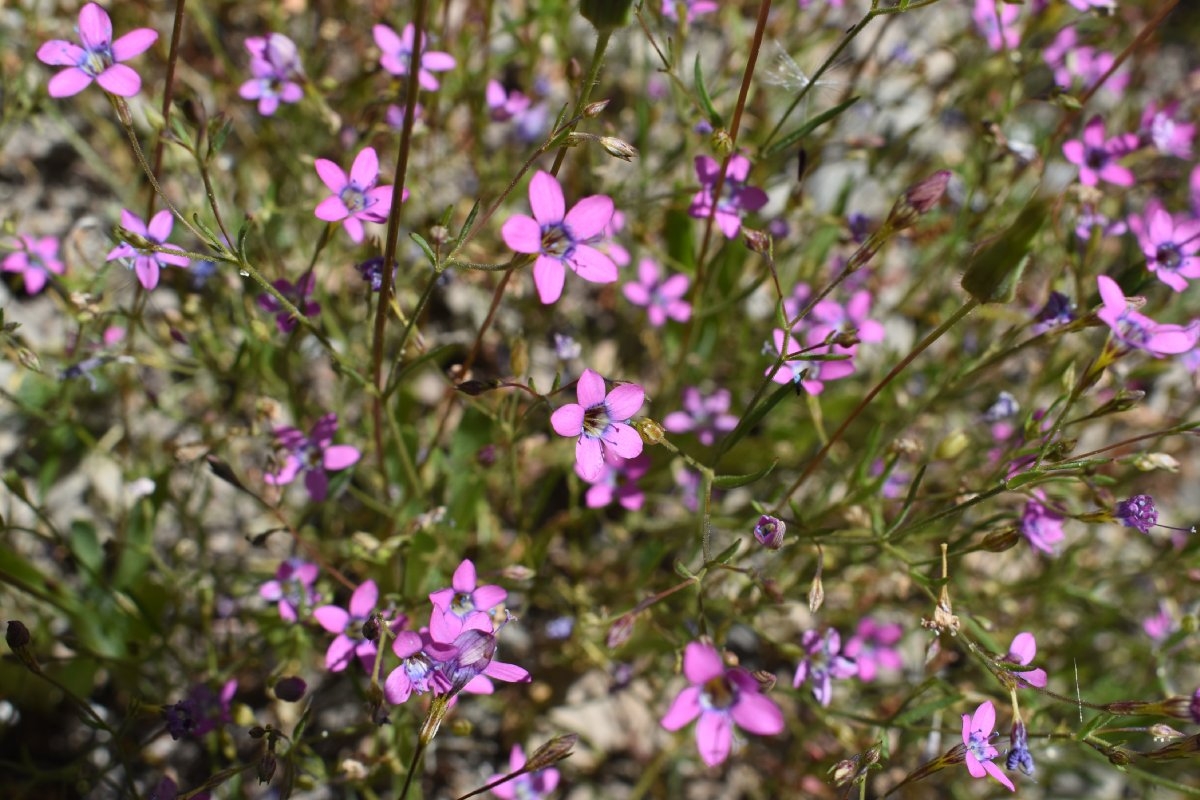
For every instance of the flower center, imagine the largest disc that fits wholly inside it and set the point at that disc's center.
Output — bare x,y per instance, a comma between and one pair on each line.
555,240
979,746
1168,256
462,604
718,693
596,421
96,61
1096,157
354,198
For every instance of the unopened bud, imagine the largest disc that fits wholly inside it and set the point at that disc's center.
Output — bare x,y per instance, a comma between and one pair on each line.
18,639
952,446
266,767
650,431
769,532
575,139
596,108
1001,540
758,241
370,628
843,772
721,142
552,752
924,195
766,680
1164,733
620,631
605,15
618,148
257,732
816,594
290,689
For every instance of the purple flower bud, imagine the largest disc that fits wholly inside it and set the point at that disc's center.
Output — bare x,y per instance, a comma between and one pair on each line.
769,531
290,689
1019,756
1137,512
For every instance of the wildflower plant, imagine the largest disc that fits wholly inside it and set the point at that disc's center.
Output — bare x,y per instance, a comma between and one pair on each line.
862,384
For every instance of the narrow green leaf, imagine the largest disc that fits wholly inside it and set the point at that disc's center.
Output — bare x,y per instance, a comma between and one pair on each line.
1092,725
705,100
734,481
748,422
85,545
682,571
809,127
425,248
470,221
726,555
1024,479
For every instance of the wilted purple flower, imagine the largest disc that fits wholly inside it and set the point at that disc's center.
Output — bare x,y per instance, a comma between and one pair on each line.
1022,651
601,422
873,647
355,199
463,598
397,52
298,293
617,482
202,711
1058,310
1042,527
1097,157
1019,756
530,786
347,623
275,69
1169,243
315,454
823,663
976,731
561,238
36,259
705,415
98,59
1136,330
721,697
148,265
736,197
662,300
1137,512
291,588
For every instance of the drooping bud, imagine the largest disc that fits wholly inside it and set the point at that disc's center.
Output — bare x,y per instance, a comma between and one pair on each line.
596,108
552,752
1019,756
618,148
917,200
605,15
18,639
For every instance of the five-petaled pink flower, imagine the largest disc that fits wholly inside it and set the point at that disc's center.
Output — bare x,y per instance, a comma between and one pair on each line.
736,197
707,416
561,238
721,697
149,264
98,58
1097,156
36,259
397,52
275,67
1170,244
347,621
976,730
315,454
1022,651
356,198
997,22
1139,331
601,423
463,598
662,300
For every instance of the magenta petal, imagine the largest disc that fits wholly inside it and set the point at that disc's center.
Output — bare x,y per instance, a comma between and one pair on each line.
1035,677
1161,226
623,440
984,719
60,53
340,456
637,294
337,657
286,475
1073,150
365,169
590,389
95,27
464,576
437,61
1023,648
441,598
510,673
120,80
1111,294
974,767
714,737
397,688
489,596
68,82
996,773
386,38
675,286
147,271
684,709
35,281
702,663
589,216
568,420
546,199
317,484
592,265
331,209
325,427
522,234
590,458
332,618
363,601
548,278
624,401
133,44
757,713
160,226
331,175
379,202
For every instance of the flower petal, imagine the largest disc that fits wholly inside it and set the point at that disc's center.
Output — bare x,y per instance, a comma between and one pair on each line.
332,618
624,401
714,737
590,389
134,43
464,576
60,53
590,458
363,601
548,277
160,226
588,217
592,265
568,420
757,713
984,719
684,709
522,234
331,175
331,209
996,773
546,199
340,456
623,440
317,484
68,82
120,80
365,170
702,663
1023,648
95,27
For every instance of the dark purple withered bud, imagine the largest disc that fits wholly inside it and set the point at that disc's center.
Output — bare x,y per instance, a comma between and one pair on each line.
474,650
291,688
1019,756
370,628
257,732
18,639
266,767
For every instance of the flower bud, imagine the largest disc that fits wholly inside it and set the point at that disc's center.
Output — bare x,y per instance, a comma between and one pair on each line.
18,639
618,148
266,767
596,108
722,142
605,15
769,532
650,431
290,689
757,241
552,752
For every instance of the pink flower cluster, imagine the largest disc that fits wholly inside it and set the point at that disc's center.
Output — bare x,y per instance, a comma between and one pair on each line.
818,335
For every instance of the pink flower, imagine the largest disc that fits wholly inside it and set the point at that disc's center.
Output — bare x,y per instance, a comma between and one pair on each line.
463,598
822,663
347,621
872,647
1097,157
617,481
530,786
662,300
98,58
976,730
721,697
997,22
148,265
830,318
707,416
1042,527
1165,132
692,8
736,197
275,67
502,104
291,588
1169,244
1021,651
397,52
601,423
1071,60
1159,626
36,259
356,199
1139,331
315,454
1085,5
561,238
810,375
